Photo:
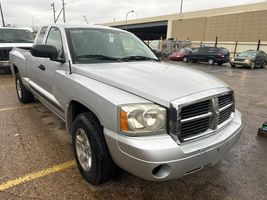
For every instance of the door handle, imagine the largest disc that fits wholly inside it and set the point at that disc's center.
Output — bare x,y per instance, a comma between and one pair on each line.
41,67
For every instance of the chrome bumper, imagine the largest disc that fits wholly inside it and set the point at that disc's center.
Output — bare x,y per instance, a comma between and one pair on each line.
5,63
160,158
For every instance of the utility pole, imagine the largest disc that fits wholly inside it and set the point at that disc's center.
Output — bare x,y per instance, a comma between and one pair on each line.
3,20
64,14
181,7
85,19
54,11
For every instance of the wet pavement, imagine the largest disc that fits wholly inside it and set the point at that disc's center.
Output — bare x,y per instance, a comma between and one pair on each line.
32,138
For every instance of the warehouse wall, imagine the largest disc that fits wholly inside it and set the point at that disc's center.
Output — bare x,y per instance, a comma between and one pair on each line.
243,27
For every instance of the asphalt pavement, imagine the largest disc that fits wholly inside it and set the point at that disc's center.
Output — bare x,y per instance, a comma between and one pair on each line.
35,147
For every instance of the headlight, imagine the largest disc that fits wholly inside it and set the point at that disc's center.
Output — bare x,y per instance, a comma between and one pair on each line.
247,61
142,118
232,60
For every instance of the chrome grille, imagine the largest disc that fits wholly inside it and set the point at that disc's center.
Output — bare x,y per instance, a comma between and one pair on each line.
226,105
4,54
205,116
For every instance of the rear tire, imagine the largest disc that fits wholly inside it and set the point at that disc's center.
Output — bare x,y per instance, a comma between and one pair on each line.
211,62
220,63
100,167
24,95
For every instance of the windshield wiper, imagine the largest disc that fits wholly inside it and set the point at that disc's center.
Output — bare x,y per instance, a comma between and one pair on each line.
99,57
139,58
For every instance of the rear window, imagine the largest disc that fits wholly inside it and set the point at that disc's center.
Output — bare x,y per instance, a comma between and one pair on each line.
224,51
41,35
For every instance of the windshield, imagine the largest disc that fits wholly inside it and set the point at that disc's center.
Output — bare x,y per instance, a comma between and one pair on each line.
15,36
92,45
251,54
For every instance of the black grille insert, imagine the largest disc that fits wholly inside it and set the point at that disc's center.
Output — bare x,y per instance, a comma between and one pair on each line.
194,127
225,100
196,109
4,54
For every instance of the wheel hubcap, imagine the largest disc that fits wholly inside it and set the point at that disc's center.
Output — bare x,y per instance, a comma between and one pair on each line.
83,149
210,62
19,88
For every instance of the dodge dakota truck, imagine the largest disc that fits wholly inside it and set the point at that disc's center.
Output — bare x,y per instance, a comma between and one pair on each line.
13,37
123,107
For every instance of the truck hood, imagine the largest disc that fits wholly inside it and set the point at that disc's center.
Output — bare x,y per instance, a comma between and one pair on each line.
158,82
11,45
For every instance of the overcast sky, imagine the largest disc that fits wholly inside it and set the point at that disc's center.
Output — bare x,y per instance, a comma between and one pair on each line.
37,12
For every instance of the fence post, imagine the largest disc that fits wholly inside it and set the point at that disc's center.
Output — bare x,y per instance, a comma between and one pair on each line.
259,44
216,42
235,48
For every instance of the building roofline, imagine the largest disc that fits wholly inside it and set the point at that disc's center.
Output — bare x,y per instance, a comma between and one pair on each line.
196,14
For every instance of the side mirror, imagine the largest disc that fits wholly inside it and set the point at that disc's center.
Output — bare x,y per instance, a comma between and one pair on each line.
46,51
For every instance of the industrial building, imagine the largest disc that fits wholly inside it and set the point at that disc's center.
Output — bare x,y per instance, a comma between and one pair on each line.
244,23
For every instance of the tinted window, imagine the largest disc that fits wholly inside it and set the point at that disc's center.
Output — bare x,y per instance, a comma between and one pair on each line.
213,50
41,35
224,51
203,50
54,39
195,50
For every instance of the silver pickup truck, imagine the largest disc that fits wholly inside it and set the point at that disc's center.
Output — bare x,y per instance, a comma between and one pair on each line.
125,108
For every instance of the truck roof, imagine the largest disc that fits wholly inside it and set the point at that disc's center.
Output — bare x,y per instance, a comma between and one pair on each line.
83,26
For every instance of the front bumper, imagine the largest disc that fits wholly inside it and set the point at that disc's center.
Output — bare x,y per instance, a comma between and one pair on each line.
160,158
5,63
243,64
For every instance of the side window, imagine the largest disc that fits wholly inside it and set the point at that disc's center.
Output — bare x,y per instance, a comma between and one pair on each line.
41,35
213,50
203,50
54,39
195,50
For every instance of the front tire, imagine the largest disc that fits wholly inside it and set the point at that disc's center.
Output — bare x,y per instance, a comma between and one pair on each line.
90,150
252,65
211,61
24,95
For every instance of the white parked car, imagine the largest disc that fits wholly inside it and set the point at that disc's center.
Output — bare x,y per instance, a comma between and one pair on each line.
13,37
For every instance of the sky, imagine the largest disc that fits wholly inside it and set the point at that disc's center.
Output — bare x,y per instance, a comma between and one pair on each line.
38,12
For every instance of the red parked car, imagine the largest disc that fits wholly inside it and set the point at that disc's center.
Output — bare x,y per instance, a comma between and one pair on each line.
179,55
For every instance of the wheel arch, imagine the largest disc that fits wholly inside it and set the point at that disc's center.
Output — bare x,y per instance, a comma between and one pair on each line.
74,109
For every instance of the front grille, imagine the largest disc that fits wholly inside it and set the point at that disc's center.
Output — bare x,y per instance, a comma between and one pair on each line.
202,117
226,105
195,109
239,59
4,54
225,100
195,127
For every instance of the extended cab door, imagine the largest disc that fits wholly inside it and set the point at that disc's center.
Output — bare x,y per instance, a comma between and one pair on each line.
44,69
